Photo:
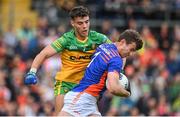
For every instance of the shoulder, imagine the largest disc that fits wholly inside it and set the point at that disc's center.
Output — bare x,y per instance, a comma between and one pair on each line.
96,35
110,51
65,38
108,46
117,61
69,34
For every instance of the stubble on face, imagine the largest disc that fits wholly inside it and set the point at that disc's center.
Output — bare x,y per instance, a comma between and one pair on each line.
126,50
81,26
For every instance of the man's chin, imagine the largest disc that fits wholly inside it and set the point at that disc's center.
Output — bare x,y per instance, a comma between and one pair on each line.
124,56
84,35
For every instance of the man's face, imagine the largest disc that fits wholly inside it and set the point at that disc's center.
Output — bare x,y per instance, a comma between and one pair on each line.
81,25
127,49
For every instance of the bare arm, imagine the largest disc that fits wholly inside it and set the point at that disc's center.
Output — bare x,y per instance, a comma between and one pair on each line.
47,52
114,86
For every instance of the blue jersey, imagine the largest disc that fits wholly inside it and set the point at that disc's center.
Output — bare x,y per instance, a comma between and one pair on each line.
105,59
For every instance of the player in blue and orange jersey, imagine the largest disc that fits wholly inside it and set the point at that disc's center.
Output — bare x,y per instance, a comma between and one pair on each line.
75,48
105,65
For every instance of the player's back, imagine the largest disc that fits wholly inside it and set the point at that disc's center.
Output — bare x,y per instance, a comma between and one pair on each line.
105,59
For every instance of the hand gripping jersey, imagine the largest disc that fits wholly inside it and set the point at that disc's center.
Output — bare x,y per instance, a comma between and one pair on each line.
75,54
106,59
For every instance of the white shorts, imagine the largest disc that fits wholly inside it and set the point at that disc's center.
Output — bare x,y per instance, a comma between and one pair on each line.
80,104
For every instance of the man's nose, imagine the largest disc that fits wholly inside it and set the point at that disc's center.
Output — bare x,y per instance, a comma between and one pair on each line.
84,25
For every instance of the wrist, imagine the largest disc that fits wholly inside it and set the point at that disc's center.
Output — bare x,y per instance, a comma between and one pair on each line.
33,70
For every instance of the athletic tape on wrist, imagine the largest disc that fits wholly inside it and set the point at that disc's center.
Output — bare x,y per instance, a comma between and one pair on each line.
34,70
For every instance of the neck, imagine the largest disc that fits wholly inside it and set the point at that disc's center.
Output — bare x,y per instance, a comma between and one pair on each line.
82,38
117,44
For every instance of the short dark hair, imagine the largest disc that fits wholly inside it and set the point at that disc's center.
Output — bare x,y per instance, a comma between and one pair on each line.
79,11
132,36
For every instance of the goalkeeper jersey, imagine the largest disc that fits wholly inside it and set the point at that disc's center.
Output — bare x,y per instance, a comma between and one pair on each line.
76,54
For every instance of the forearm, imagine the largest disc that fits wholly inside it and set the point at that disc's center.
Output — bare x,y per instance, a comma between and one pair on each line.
42,56
116,88
119,91
39,59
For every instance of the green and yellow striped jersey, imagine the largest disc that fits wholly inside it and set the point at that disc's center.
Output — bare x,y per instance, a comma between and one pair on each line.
76,54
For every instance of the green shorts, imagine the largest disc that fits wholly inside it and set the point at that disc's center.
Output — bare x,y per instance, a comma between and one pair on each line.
62,87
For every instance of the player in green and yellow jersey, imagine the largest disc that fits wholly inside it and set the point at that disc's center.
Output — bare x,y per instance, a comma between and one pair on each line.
76,48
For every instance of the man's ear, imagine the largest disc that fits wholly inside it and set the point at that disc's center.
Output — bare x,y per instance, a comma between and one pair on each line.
72,23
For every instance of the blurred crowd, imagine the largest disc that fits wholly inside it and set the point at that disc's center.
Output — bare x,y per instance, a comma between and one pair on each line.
125,10
154,72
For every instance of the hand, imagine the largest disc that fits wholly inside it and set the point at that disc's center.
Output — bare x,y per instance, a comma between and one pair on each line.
129,87
30,78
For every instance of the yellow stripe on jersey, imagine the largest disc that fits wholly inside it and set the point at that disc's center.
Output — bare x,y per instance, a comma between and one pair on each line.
58,45
82,41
